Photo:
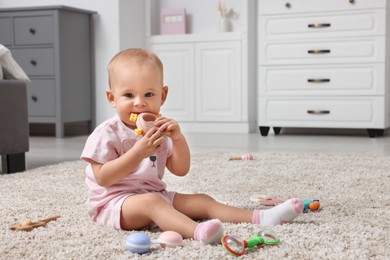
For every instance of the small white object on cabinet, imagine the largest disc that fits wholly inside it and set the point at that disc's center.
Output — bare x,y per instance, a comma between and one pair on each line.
322,63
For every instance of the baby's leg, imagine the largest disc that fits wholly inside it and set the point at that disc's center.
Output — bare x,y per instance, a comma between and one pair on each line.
201,206
138,211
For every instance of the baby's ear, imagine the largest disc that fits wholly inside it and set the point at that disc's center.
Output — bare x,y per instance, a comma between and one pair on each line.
110,97
164,94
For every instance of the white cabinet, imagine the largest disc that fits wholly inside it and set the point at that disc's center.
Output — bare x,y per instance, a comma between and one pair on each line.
179,76
323,63
217,81
211,76
203,80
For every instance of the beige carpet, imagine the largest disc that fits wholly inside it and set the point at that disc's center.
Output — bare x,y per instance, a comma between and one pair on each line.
354,222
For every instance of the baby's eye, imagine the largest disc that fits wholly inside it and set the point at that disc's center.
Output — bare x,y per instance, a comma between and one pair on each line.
129,95
149,94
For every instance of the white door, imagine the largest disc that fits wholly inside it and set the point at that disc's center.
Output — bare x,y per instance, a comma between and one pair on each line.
218,81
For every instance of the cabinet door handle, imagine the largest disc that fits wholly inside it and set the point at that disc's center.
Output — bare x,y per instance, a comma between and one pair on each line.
34,98
318,25
318,51
318,80
33,62
32,30
318,112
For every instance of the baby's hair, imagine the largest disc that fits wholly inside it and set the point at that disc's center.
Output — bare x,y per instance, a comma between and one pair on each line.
140,56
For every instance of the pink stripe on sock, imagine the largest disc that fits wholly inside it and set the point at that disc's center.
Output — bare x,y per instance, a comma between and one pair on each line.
256,217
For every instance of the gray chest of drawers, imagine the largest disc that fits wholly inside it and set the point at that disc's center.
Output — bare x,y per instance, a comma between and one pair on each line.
53,45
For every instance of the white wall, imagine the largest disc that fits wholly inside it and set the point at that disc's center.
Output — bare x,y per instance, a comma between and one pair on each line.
119,24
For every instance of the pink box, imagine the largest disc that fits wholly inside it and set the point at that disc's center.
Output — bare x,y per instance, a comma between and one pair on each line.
173,21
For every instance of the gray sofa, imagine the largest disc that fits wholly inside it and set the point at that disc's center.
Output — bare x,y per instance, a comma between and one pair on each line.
14,128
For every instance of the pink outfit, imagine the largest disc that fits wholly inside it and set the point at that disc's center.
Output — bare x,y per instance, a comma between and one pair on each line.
110,140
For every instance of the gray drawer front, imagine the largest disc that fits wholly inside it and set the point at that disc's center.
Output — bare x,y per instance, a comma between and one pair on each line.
34,30
35,62
41,97
5,31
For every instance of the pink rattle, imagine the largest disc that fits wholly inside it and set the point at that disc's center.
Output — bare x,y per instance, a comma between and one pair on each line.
144,121
244,157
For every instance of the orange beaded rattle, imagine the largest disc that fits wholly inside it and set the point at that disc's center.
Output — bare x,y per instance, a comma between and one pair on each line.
144,121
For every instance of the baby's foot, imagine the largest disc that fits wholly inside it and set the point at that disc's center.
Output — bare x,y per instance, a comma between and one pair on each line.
278,215
209,232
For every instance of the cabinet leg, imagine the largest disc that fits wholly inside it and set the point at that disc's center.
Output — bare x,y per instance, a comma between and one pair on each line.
11,163
277,130
264,130
372,133
60,127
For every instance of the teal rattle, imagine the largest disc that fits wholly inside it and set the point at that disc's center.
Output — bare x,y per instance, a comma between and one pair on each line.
236,246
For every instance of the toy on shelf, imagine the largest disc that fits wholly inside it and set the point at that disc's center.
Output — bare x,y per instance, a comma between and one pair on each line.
28,225
140,243
244,157
236,246
144,121
312,205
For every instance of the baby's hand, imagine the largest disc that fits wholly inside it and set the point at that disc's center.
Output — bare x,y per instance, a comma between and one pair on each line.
150,143
168,125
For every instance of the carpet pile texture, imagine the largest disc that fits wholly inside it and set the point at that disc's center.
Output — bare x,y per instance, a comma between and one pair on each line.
353,222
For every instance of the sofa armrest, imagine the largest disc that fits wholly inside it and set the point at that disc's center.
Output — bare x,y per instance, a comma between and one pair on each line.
14,128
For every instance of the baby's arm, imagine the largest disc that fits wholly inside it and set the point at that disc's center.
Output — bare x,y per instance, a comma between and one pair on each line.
112,171
179,162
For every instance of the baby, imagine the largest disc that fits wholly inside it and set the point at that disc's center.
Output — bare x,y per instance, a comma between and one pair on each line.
125,171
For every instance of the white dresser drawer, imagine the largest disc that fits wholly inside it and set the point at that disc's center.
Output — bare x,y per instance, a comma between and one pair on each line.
370,22
266,7
322,112
365,79
323,52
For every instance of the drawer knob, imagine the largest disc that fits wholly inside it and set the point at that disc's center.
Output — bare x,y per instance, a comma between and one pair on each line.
288,5
318,112
351,1
32,30
319,25
318,80
318,51
34,98
33,62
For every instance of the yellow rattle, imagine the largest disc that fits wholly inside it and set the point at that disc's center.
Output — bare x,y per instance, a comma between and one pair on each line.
144,121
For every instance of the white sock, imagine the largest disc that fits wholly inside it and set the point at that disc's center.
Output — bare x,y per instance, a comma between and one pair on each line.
279,215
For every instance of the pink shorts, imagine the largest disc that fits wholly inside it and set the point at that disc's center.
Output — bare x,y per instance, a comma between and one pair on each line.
110,214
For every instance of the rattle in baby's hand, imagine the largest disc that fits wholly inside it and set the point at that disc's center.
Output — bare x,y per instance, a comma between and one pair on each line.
144,121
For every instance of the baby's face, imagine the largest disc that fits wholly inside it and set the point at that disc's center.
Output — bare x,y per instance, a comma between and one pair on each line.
136,89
